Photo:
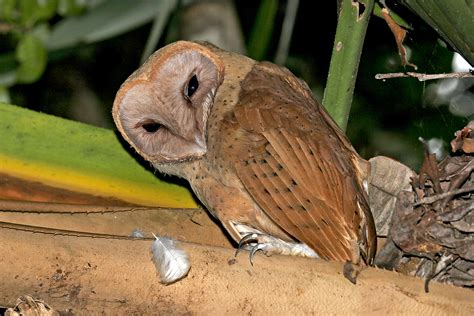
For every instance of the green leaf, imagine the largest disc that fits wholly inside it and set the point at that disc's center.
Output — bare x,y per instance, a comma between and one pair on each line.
32,10
108,19
27,9
32,56
46,9
27,12
8,9
453,20
70,7
79,157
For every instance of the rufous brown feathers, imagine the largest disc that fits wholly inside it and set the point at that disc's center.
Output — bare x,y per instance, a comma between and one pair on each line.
304,179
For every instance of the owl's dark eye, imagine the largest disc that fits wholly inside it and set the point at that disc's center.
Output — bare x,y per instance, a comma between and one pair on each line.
191,87
151,126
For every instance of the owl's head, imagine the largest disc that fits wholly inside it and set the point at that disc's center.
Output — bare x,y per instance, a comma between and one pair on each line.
163,107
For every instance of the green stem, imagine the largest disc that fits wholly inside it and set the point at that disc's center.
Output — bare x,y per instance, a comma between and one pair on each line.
262,29
350,33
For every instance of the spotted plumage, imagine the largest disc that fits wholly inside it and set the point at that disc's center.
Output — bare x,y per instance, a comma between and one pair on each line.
259,152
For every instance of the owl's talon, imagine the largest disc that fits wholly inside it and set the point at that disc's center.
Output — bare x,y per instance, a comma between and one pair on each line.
254,250
245,240
270,245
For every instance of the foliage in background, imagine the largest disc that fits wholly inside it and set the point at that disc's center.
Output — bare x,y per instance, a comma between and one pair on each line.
35,29
90,46
26,25
453,20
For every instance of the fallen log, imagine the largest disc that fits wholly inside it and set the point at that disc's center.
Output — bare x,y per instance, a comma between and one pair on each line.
86,275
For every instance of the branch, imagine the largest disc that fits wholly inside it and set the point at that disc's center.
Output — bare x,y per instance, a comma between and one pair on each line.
434,198
63,232
47,207
424,77
111,276
350,34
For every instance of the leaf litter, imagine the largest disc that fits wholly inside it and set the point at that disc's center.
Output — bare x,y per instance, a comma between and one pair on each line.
431,232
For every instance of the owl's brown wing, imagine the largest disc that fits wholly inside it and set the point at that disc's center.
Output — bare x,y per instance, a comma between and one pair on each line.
302,175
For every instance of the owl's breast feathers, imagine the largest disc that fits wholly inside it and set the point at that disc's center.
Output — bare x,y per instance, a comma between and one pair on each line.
301,169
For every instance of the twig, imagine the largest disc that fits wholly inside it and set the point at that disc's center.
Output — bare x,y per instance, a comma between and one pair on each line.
41,207
434,198
64,232
424,77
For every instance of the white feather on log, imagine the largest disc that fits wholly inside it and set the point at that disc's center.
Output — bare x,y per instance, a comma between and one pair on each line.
171,262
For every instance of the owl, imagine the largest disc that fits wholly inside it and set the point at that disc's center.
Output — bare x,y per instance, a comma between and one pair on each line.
260,153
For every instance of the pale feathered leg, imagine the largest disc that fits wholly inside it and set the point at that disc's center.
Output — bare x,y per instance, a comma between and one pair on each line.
270,245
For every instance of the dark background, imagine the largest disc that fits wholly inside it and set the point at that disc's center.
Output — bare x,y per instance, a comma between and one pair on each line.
387,118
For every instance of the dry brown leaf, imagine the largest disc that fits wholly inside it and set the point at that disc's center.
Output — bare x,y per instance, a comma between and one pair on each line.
464,139
387,179
429,171
399,33
439,226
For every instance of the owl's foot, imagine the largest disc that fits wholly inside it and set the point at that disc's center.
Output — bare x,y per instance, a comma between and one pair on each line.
270,245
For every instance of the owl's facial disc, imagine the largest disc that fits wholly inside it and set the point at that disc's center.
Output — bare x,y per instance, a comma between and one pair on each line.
162,109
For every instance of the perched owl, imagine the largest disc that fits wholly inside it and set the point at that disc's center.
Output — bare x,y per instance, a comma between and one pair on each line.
260,153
